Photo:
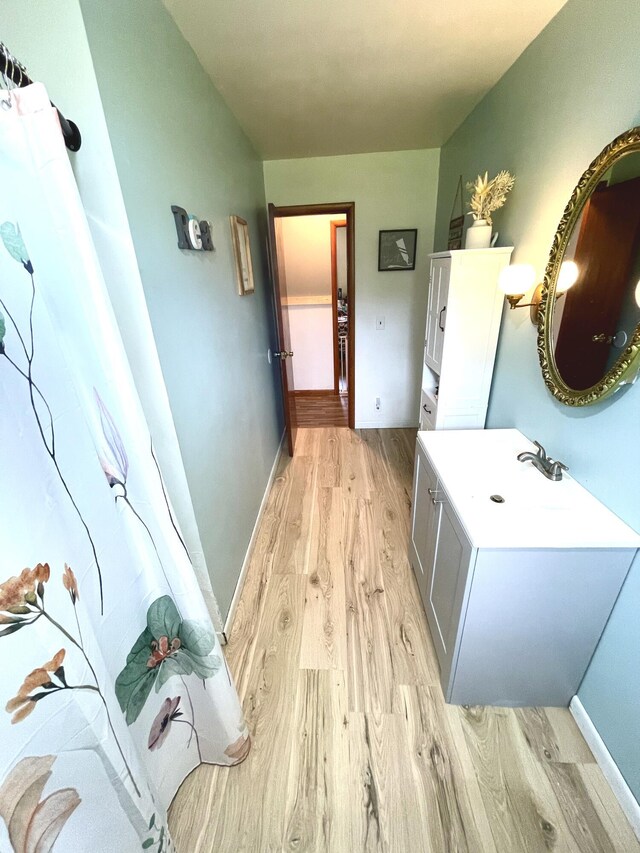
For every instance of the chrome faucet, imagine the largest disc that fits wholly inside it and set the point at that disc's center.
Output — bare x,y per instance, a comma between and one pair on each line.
547,466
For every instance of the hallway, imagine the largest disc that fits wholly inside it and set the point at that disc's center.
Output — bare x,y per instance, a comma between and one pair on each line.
322,411
353,747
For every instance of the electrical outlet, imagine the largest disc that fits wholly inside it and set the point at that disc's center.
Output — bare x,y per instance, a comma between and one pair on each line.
378,403
379,323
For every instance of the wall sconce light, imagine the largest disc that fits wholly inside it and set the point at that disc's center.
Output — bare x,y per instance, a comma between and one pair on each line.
516,279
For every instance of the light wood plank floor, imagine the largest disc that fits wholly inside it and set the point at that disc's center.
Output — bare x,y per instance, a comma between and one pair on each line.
319,411
354,748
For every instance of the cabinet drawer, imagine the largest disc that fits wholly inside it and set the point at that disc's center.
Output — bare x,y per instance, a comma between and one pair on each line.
428,411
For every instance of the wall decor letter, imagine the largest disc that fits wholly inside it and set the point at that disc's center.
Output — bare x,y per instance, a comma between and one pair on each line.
205,234
192,233
182,226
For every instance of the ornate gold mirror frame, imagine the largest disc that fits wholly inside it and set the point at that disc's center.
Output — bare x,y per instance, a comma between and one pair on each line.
628,364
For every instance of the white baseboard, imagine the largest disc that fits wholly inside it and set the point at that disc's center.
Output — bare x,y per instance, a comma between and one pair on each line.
603,757
247,557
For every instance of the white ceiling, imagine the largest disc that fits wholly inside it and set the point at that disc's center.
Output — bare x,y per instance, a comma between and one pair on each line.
319,77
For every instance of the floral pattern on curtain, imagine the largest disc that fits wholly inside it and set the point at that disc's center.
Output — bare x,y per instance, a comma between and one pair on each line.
114,686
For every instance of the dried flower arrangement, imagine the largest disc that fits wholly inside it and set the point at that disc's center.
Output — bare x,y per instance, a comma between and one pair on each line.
489,195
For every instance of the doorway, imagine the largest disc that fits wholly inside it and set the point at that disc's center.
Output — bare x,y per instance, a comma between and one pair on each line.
312,265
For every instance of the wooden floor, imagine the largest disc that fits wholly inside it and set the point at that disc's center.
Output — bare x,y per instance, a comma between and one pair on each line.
354,748
322,411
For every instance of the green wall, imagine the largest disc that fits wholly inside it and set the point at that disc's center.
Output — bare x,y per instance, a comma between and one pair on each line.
575,88
390,190
175,142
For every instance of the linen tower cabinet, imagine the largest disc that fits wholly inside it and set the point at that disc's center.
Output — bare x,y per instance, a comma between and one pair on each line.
461,337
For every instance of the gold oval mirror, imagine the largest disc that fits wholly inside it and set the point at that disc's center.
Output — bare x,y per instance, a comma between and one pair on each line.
589,321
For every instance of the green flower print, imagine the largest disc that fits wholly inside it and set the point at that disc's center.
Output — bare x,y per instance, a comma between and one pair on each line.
14,244
168,646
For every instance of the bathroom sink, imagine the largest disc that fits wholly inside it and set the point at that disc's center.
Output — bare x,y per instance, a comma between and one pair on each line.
528,510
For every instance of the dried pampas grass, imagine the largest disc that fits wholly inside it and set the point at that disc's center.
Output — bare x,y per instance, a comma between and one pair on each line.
489,195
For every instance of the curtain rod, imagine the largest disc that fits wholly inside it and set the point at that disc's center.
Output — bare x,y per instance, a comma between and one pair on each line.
15,71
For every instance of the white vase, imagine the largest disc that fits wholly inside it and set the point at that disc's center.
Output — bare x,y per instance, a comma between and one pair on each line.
478,236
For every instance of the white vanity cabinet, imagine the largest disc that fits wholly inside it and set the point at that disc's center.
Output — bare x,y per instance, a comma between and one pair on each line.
516,593
463,321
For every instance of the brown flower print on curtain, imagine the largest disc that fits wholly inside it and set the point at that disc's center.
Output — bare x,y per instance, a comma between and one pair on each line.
22,604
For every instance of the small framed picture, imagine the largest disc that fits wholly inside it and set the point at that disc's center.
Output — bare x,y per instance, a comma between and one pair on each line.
397,250
242,253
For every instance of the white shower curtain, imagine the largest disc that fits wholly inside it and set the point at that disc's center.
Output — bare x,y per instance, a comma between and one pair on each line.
113,683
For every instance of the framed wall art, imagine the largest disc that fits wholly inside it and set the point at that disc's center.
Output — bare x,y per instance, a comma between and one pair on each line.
397,249
242,254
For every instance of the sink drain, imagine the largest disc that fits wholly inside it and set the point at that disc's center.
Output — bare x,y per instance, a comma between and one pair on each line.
497,499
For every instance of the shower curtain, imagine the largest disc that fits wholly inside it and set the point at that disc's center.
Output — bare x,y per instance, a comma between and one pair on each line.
113,684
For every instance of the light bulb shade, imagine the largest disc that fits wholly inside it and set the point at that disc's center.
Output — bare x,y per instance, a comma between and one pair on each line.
567,277
516,278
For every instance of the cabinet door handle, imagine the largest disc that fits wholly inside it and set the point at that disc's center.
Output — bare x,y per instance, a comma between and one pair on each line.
435,501
442,310
432,492
424,406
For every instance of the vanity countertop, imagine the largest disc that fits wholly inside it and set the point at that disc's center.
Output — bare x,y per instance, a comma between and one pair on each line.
474,464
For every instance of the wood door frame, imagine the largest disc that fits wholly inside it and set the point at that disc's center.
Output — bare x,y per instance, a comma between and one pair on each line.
335,224
348,209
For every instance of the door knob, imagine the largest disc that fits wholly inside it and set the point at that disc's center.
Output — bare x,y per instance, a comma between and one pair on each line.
284,355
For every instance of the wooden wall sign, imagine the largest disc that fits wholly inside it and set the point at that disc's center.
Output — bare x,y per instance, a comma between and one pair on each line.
456,225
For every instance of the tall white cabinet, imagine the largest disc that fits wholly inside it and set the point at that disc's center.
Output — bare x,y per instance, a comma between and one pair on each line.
461,336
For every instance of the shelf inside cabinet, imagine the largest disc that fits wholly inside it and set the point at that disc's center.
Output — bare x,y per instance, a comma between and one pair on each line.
430,383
